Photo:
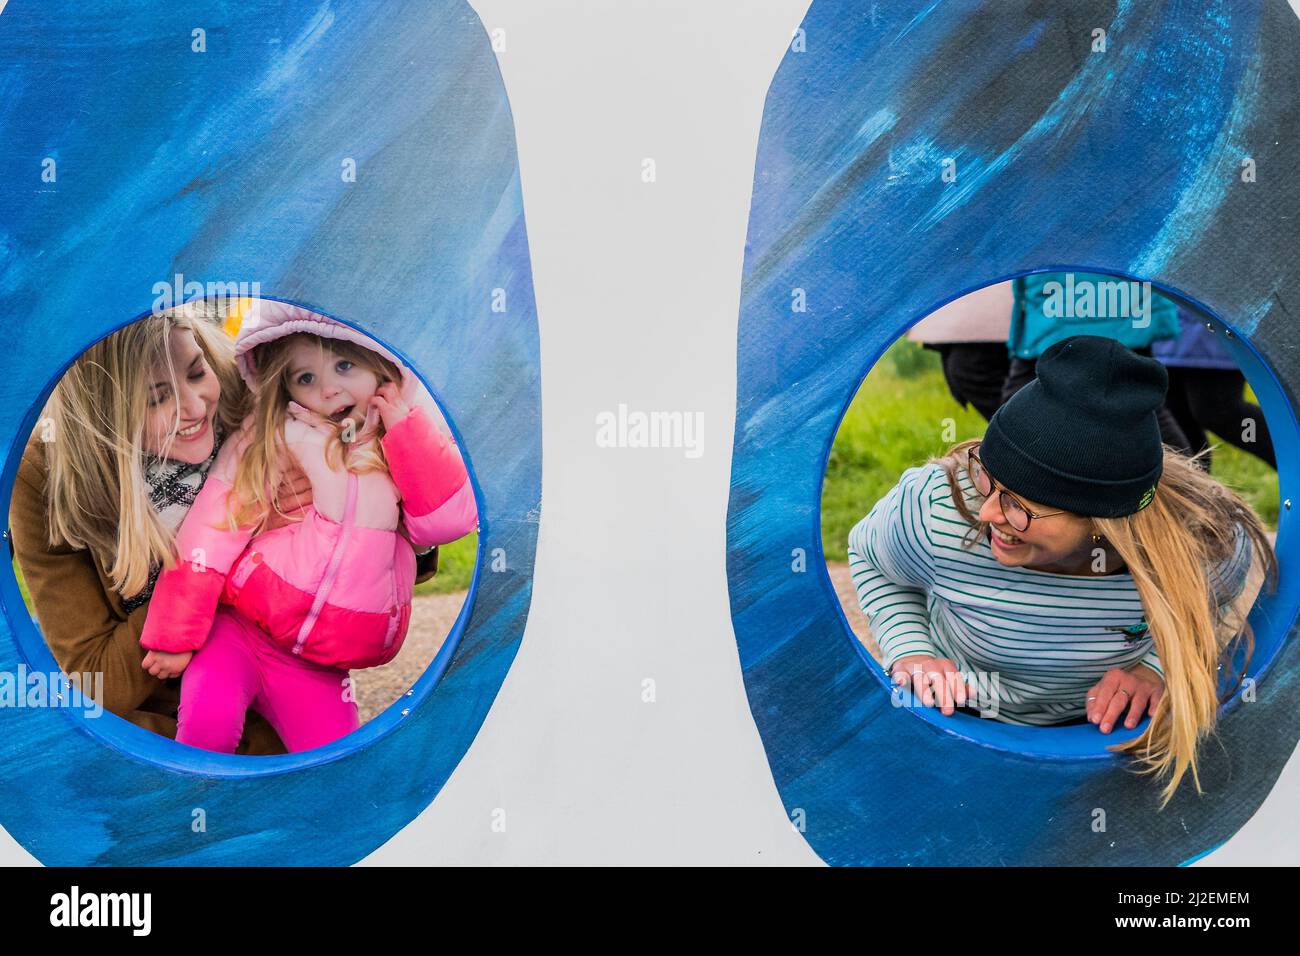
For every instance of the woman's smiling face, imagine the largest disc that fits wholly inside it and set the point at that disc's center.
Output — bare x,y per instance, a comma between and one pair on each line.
328,384
1060,543
180,414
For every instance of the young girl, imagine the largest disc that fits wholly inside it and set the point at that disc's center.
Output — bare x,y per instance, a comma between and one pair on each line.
275,619
1070,555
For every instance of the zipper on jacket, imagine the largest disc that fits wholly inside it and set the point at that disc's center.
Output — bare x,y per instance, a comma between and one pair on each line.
332,568
394,616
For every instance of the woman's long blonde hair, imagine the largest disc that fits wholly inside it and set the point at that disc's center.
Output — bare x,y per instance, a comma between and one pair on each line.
262,465
1169,548
93,428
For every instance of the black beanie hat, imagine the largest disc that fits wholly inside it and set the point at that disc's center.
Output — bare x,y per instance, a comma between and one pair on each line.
1083,436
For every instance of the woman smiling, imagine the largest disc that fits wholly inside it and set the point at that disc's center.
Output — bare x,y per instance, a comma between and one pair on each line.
1087,567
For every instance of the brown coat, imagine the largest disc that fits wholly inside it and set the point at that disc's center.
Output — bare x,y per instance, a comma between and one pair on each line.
85,625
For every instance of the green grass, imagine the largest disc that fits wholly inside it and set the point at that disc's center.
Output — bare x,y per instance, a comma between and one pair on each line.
22,586
455,567
898,419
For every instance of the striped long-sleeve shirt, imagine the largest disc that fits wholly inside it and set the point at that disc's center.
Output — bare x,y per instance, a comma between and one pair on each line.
1041,639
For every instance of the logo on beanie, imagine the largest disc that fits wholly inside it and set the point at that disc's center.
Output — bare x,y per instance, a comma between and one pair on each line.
1146,497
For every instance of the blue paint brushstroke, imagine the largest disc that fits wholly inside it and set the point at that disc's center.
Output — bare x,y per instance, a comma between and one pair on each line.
1066,158
226,166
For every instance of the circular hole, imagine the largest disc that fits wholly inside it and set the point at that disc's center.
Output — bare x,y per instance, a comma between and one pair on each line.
384,639
917,402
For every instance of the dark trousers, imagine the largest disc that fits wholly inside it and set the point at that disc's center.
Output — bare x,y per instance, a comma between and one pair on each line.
1023,371
975,373
1214,400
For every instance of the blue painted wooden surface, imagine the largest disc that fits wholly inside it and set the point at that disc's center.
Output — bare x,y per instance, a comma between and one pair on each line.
226,166
1126,161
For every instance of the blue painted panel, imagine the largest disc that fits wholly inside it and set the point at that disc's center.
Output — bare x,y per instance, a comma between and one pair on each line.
227,166
1126,161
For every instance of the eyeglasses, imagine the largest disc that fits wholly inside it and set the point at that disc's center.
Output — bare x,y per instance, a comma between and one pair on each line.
1017,515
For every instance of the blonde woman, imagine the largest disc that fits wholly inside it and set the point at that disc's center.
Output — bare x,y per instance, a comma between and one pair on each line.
118,456
1067,565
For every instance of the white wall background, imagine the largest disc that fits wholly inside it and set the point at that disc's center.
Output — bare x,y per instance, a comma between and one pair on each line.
638,295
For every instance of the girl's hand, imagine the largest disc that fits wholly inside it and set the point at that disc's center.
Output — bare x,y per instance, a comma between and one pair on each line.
929,675
162,664
392,407
293,495
1118,690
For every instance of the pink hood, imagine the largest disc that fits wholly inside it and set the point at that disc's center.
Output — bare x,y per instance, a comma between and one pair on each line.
269,319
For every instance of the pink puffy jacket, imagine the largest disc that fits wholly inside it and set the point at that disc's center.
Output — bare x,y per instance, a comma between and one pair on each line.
336,587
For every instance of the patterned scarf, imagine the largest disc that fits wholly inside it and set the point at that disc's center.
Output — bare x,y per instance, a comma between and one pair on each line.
173,486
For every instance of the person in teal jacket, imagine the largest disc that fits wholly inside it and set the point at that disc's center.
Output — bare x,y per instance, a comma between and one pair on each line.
1052,306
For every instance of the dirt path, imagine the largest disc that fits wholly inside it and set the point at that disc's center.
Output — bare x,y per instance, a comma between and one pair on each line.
432,616
848,596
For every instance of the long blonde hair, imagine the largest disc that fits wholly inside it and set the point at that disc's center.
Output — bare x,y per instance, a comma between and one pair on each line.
1169,548
262,465
93,428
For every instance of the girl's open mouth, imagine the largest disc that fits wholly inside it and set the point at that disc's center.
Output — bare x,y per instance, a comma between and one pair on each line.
341,414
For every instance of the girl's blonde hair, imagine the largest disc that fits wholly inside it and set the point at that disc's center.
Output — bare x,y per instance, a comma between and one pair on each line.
1169,548
93,427
263,463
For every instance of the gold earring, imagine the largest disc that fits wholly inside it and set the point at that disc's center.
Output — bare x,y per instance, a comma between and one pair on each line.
1096,539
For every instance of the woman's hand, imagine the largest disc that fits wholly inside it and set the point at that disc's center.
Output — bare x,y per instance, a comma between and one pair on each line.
929,675
392,408
1136,690
293,495
163,664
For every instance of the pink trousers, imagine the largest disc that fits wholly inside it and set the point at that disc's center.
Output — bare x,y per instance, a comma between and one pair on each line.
239,668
